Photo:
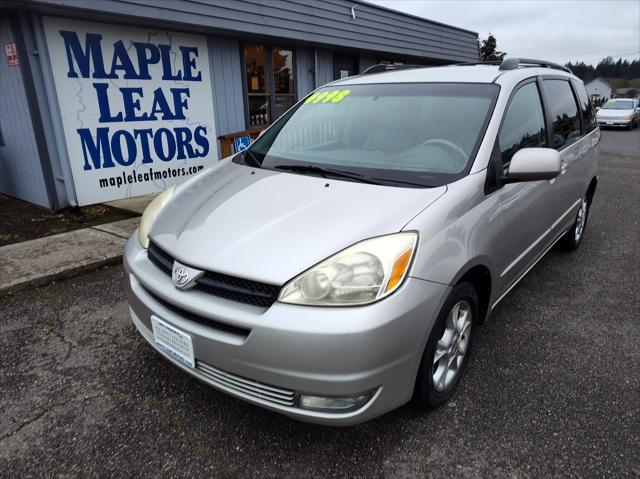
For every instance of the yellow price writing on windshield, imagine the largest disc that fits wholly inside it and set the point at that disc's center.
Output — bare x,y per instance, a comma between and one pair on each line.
333,96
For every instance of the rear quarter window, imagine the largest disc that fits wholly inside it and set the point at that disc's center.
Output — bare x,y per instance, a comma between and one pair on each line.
563,110
588,113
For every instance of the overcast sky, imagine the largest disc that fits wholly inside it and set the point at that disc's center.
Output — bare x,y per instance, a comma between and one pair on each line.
555,30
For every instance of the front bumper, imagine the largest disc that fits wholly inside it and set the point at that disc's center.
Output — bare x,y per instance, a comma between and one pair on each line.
614,122
269,356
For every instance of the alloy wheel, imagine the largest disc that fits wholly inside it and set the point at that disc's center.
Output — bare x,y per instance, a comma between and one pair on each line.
452,346
581,220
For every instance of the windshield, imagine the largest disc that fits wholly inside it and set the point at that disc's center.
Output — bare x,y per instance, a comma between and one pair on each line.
618,105
406,134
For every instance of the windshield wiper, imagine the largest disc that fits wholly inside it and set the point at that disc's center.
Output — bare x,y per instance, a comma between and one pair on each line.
390,182
324,172
328,172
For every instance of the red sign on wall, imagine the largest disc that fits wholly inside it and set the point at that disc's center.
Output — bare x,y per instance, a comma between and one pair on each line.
12,54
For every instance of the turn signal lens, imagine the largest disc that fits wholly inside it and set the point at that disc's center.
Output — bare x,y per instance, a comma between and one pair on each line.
399,269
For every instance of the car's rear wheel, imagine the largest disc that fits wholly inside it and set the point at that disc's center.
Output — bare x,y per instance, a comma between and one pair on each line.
448,348
573,238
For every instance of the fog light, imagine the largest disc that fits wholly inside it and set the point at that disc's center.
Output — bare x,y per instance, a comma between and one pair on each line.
333,403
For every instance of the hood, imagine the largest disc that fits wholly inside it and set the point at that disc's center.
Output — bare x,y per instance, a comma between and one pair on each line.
270,226
602,113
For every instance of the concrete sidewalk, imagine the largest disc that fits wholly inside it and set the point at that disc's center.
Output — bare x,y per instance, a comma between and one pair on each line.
43,260
137,204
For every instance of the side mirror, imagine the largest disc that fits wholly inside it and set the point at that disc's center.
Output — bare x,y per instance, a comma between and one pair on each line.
533,164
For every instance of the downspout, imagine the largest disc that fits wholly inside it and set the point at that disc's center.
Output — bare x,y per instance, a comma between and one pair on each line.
60,141
315,68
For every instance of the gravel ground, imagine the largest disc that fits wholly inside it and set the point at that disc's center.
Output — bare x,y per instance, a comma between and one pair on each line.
552,389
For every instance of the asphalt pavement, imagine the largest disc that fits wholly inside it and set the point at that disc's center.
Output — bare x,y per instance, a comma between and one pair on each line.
622,142
552,389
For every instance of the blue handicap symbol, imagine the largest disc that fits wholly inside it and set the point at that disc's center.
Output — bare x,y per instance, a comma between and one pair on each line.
241,143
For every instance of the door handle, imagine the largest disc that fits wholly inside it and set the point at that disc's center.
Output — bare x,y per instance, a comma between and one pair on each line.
563,166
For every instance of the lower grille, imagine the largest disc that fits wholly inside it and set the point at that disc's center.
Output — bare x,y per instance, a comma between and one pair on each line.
226,380
245,386
217,284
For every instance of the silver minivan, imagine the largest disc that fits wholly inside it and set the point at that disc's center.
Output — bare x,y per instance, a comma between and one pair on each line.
340,266
621,112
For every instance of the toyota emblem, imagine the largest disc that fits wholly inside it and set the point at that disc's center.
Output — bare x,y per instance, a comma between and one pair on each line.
180,276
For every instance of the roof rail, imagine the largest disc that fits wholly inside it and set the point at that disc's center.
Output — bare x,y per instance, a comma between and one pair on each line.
514,63
386,67
483,62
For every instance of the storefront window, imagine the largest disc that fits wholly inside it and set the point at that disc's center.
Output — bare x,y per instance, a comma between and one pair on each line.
270,84
283,79
256,67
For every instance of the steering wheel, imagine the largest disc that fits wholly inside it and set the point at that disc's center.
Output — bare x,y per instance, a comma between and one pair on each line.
447,145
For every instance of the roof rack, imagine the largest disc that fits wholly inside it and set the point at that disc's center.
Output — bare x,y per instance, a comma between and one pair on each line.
514,63
386,67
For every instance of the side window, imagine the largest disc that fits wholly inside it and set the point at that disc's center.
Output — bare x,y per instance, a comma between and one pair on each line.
588,114
564,112
523,125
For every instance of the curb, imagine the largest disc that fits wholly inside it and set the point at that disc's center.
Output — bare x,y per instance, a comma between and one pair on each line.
31,264
65,274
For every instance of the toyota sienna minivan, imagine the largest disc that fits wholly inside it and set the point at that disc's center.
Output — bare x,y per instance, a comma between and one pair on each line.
341,265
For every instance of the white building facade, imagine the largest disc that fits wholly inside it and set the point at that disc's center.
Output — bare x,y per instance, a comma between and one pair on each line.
598,89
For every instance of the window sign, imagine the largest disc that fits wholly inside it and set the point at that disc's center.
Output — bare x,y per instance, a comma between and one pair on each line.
12,54
241,143
136,106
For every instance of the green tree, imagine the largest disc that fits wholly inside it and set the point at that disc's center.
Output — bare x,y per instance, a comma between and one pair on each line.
488,50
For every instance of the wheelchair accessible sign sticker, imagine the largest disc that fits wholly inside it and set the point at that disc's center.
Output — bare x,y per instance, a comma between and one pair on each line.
241,143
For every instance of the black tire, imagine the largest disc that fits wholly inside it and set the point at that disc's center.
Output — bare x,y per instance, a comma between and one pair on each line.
425,393
571,241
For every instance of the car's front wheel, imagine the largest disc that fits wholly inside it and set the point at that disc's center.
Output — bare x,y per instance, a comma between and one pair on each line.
448,347
573,238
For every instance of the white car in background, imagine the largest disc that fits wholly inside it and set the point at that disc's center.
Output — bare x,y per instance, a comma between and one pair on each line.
623,112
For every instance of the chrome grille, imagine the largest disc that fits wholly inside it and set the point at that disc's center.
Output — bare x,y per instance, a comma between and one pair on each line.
217,284
245,386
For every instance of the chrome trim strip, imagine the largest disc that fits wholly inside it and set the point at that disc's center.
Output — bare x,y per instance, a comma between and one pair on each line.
559,220
527,270
535,243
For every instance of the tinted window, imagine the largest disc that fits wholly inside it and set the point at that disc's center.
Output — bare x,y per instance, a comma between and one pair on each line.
523,125
587,109
564,112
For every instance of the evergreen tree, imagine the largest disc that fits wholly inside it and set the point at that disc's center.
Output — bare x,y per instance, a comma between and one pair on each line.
488,50
607,68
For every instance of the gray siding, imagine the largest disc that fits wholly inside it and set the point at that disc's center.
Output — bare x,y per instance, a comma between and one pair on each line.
226,76
304,71
307,77
325,67
20,169
329,23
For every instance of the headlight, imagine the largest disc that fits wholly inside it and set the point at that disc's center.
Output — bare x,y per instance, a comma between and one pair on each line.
150,214
360,274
